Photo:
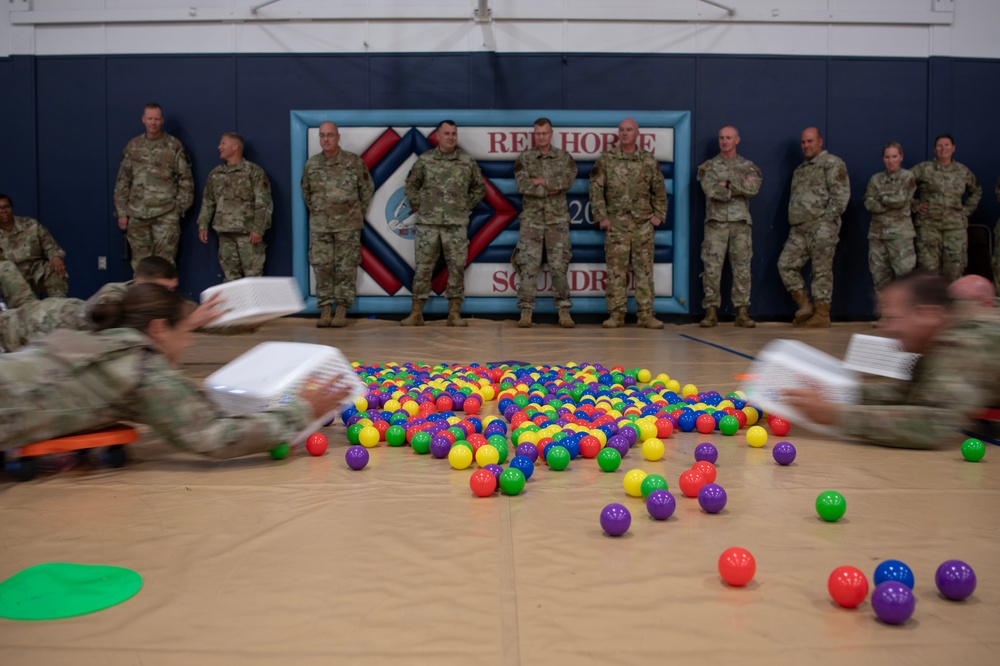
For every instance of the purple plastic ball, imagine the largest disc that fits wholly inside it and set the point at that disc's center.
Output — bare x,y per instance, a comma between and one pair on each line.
495,470
893,602
955,580
784,453
615,519
619,444
528,450
660,504
706,451
712,498
356,457
440,446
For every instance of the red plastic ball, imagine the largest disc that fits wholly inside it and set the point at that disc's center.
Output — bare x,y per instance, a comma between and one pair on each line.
590,446
779,427
475,440
316,445
705,424
483,483
471,405
664,428
691,482
706,469
848,586
382,427
741,417
737,566
517,419
443,403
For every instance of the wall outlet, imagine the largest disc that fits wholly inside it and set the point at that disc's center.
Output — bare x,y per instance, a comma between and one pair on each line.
102,263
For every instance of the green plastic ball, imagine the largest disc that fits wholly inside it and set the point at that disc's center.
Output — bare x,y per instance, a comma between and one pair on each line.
608,459
395,435
558,458
421,442
729,425
352,434
501,448
511,481
281,451
831,505
973,450
652,482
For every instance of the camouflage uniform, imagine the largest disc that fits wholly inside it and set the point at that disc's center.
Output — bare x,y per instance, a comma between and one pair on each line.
544,223
942,236
72,382
30,245
890,235
14,291
443,188
338,191
237,202
820,192
36,319
628,189
728,185
153,190
957,378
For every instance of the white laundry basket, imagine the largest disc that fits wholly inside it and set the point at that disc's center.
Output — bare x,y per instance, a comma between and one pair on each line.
253,300
885,357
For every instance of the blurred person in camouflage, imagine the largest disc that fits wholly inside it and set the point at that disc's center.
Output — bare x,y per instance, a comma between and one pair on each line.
628,199
33,250
14,290
890,235
543,175
154,189
443,187
237,204
956,378
819,196
728,180
338,190
942,215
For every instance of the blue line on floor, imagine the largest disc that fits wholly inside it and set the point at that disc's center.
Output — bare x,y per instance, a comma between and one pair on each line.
988,440
712,344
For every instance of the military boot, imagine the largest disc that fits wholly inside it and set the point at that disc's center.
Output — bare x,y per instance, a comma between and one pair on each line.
821,318
614,320
801,298
743,319
324,317
416,316
525,321
339,317
649,321
455,312
711,318
565,321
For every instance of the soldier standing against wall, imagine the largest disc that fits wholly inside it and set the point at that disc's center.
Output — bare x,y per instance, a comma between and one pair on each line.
443,186
237,203
543,174
942,218
890,235
728,181
338,190
629,199
820,192
153,190
33,250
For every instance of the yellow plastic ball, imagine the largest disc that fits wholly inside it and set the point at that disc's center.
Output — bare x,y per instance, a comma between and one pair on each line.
368,437
633,482
460,456
486,455
411,407
646,431
643,376
756,436
652,449
361,403
673,385
527,436
601,436
725,404
752,415
689,389
366,422
663,377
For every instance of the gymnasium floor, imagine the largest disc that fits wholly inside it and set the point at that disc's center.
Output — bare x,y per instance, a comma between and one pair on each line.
302,561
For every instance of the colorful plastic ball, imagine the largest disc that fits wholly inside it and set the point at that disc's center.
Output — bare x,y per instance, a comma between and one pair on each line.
609,459
712,498
779,427
281,451
894,570
847,586
483,483
440,446
369,437
395,435
650,483
316,444
893,602
783,453
973,450
737,566
590,446
955,580
619,444
664,428
524,464
707,470
495,470
705,423
353,431
729,425
527,450
558,458
633,482
511,481
421,442
687,421
471,405
831,506
356,457
706,451
691,482
756,436
643,376
653,449
460,457
615,519
689,390
444,403
487,455
661,504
